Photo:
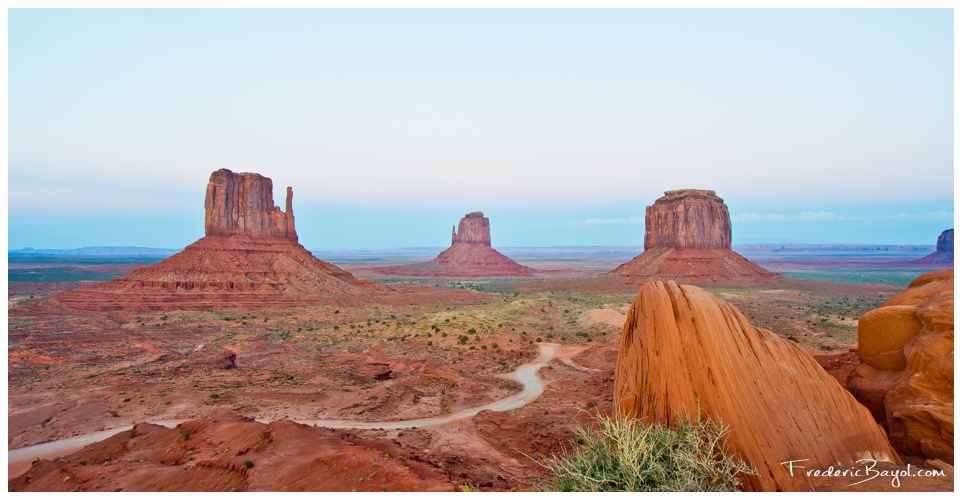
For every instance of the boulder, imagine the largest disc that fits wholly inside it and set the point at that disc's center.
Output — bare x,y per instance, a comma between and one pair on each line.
907,375
686,354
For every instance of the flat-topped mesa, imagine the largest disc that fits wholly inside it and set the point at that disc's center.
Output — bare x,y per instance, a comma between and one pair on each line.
688,218
243,205
474,228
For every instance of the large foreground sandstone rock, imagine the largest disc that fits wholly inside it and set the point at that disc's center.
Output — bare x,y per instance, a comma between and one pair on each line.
944,250
688,238
470,255
249,259
684,353
907,375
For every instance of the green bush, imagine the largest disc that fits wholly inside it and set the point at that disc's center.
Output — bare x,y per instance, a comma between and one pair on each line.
627,455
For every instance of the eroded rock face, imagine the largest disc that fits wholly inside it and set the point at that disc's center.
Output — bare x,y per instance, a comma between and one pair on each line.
688,238
907,375
243,205
470,255
688,218
684,353
474,228
944,250
946,241
249,259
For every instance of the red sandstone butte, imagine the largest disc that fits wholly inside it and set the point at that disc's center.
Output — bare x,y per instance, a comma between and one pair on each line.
944,250
688,238
686,354
907,375
470,255
249,259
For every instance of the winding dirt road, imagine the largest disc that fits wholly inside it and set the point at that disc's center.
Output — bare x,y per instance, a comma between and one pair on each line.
18,460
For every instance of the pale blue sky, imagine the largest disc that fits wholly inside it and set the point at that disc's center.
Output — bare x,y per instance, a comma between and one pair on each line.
561,125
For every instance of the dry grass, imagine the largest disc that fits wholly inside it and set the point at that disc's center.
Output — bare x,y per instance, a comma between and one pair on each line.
626,455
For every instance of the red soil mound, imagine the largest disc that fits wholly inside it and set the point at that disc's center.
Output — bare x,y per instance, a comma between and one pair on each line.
686,354
232,454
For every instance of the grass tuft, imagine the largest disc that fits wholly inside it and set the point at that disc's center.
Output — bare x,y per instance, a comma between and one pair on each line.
627,455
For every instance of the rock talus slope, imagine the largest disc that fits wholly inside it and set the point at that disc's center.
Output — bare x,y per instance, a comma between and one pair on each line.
685,352
944,250
249,259
907,375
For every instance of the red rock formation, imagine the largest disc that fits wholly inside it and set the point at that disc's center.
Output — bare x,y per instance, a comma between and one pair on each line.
907,375
944,250
686,353
233,454
473,228
688,238
243,205
470,255
688,218
250,259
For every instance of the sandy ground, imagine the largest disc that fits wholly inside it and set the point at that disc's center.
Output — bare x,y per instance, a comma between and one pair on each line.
607,316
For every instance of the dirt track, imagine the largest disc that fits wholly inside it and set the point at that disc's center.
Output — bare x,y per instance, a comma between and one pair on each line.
18,460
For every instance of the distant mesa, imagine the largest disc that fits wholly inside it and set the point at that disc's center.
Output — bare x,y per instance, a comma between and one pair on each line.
944,250
685,354
470,255
249,259
688,238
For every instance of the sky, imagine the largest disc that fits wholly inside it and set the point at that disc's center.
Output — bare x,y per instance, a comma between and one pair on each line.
815,126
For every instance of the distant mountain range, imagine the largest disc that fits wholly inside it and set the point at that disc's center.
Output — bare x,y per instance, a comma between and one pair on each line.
95,252
775,250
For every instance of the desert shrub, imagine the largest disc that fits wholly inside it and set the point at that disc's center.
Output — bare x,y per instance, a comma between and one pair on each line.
793,339
472,331
627,455
185,433
248,464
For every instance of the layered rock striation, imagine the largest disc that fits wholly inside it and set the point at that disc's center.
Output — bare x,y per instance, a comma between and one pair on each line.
243,205
944,250
907,375
474,228
688,238
688,218
249,259
686,354
470,255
